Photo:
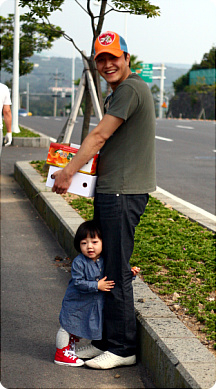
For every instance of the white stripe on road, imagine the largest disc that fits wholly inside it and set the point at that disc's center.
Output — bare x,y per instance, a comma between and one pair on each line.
214,151
166,139
189,205
189,128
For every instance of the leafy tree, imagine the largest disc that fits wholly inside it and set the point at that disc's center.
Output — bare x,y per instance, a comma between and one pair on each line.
134,64
42,9
34,36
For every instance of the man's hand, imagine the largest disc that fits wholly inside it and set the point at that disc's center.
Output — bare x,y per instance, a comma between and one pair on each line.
62,181
104,285
8,139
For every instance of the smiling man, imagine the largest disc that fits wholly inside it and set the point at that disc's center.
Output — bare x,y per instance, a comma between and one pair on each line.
126,174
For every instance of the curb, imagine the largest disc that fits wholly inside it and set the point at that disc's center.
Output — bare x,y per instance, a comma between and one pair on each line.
42,141
174,357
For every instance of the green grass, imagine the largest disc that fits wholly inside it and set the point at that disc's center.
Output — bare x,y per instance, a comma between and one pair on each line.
175,255
24,133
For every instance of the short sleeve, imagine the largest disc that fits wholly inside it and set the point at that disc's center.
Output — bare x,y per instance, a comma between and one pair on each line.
124,102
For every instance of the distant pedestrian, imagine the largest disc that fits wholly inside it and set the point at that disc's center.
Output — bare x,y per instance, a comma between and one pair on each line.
82,306
5,103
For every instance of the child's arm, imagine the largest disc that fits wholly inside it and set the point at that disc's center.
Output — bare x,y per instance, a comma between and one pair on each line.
104,285
79,280
135,270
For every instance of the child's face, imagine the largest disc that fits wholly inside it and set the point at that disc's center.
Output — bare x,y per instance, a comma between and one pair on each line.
91,247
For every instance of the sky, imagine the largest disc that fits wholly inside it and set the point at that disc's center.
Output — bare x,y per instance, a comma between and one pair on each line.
184,32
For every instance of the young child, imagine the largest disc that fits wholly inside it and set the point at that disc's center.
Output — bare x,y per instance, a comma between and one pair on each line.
81,315
82,306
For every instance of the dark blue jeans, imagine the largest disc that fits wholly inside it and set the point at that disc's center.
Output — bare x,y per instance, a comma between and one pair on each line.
118,215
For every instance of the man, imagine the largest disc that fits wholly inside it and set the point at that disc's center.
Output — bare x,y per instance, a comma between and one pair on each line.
5,103
126,174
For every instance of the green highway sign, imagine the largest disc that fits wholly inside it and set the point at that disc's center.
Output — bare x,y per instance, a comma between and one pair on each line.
145,72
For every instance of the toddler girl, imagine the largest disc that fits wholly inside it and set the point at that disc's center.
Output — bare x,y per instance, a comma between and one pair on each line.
82,306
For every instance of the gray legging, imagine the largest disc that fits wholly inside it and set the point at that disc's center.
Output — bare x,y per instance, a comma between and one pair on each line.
62,338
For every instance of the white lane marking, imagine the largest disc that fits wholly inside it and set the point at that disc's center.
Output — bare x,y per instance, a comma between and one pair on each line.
189,205
53,139
189,128
58,119
214,151
93,124
46,117
166,139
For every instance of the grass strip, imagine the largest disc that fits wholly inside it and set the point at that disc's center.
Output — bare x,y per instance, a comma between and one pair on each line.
24,133
176,256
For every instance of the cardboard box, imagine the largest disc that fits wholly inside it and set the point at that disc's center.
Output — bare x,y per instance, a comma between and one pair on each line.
60,155
82,184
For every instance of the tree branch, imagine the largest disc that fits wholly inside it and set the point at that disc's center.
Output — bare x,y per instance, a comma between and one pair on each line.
66,37
92,18
81,6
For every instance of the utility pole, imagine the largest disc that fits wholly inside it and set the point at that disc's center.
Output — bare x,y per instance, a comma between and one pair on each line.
15,97
57,77
27,97
73,78
161,78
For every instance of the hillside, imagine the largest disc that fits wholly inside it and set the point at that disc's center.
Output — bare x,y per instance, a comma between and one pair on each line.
42,77
47,69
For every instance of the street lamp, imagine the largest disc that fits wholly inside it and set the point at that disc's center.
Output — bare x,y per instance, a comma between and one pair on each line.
15,97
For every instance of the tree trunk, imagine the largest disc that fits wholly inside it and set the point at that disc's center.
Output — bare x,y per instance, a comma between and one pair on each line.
87,114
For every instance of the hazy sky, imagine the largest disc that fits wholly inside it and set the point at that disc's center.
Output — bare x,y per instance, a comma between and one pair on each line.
185,30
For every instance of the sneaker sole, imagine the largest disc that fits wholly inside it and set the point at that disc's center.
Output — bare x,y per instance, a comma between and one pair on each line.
69,364
95,365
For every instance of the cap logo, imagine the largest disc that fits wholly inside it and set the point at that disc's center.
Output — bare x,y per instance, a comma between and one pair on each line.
106,39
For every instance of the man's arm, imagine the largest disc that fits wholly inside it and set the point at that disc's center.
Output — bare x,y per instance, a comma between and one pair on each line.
90,146
8,121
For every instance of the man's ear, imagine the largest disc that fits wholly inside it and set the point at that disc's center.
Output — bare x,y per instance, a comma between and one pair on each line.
128,59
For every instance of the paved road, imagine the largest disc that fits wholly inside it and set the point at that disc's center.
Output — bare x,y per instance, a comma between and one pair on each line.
185,151
32,289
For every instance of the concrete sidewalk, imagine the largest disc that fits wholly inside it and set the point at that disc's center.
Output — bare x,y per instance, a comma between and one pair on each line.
172,354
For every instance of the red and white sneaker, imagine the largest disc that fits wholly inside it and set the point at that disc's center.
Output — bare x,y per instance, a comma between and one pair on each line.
65,357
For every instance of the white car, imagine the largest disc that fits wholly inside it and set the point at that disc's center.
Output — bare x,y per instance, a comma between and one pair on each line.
23,112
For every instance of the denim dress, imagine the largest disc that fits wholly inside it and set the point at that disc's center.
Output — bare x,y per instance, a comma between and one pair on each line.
82,306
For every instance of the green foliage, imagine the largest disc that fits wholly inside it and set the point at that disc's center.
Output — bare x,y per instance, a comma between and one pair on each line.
181,82
41,8
134,64
34,37
175,255
24,132
208,62
138,7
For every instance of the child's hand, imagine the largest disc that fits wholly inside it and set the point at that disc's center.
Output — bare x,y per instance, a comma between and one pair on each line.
104,285
135,270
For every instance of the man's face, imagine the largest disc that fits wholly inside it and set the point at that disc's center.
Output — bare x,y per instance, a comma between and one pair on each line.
113,69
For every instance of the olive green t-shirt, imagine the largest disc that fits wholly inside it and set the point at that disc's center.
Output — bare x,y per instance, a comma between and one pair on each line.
127,160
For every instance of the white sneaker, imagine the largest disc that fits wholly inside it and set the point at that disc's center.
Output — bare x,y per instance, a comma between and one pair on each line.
108,360
88,352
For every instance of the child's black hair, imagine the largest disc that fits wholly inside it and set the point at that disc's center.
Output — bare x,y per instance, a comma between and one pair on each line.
90,228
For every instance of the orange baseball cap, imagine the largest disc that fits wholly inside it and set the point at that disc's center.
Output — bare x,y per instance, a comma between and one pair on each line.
110,42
